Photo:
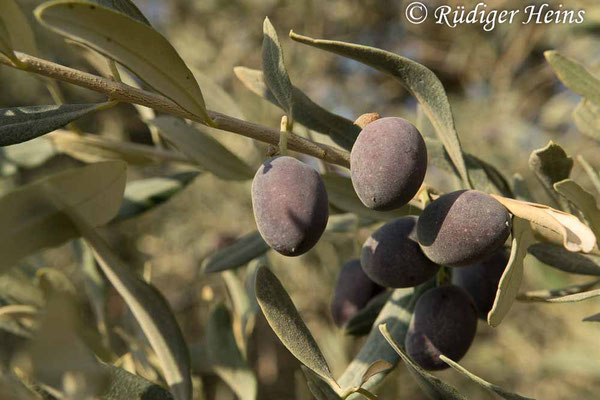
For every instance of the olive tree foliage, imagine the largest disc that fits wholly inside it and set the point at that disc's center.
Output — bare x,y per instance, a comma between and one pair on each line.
72,204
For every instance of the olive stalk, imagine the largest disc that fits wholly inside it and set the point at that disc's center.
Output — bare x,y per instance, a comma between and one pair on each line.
129,94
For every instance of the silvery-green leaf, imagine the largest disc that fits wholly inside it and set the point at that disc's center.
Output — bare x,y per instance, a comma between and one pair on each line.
592,318
244,249
521,189
575,76
548,294
242,305
29,222
318,387
17,30
284,319
225,358
587,118
306,112
30,154
145,194
583,200
505,394
276,75
362,322
201,148
150,309
20,124
591,172
560,258
342,195
126,7
418,79
510,282
375,368
130,42
550,165
434,387
573,298
125,386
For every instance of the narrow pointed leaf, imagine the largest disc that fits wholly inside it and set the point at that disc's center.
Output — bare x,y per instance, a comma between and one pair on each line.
225,357
284,319
560,258
375,368
416,78
18,31
505,394
510,282
130,42
592,318
434,387
318,387
583,200
591,172
20,124
126,7
150,309
573,298
243,250
548,294
30,223
276,75
201,148
125,386
551,164
587,118
575,76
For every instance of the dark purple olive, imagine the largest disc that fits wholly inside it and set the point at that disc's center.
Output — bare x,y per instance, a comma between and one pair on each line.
353,290
481,280
391,256
388,163
444,322
462,227
290,205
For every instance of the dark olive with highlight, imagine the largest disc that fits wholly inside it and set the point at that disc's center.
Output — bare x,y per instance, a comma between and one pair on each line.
462,227
444,322
391,256
290,205
388,163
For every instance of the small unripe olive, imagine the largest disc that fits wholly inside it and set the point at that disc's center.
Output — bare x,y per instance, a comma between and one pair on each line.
481,280
444,322
462,227
353,290
388,163
391,256
290,205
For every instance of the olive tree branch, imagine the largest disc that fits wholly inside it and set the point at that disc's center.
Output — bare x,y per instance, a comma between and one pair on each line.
129,94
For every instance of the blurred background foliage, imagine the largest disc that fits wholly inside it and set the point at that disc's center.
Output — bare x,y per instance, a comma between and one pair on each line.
506,100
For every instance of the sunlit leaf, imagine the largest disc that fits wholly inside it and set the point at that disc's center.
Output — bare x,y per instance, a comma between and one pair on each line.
276,75
20,124
591,172
29,222
574,75
418,79
15,31
583,200
126,7
548,294
510,282
284,319
505,394
587,118
431,385
130,42
244,249
550,165
201,148
560,258
375,368
574,298
242,305
225,357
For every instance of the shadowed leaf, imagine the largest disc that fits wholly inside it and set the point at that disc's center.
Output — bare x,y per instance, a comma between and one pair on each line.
362,322
560,258
126,7
243,250
20,124
583,200
125,386
550,165
548,294
318,387
276,75
17,33
592,318
375,368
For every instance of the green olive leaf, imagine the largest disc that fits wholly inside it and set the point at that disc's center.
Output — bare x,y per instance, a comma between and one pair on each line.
131,43
5,44
245,309
591,172
592,318
306,112
550,165
552,225
587,118
148,306
434,387
226,360
284,319
15,29
243,250
560,258
548,294
342,195
145,194
30,223
574,76
583,200
573,298
505,394
417,79
362,322
276,75
20,124
126,7
318,387
202,149
123,385
375,368
510,282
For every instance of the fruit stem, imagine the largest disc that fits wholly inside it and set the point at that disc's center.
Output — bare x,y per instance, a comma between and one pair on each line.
283,137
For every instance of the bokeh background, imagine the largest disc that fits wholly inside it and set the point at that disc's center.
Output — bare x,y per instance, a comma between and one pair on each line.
506,101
